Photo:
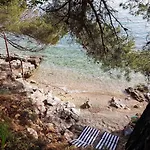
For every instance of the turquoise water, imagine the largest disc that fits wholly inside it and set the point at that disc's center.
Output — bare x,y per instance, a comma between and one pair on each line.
68,55
137,28
69,58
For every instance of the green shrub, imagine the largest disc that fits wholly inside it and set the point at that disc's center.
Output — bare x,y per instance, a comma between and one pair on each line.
4,133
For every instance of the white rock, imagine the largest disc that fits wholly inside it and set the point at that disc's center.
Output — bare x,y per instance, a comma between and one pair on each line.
28,66
38,95
41,107
69,105
68,135
76,111
16,64
52,99
57,99
33,132
49,95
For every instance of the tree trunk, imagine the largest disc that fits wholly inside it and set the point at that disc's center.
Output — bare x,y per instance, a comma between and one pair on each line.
140,137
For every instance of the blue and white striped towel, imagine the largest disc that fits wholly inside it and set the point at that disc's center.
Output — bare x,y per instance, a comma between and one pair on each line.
108,141
86,138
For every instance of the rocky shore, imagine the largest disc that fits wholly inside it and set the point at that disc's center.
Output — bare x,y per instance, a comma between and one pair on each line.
36,111
45,112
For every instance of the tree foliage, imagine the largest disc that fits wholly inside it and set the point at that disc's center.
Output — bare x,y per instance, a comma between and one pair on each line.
10,11
138,7
140,60
91,22
95,27
18,18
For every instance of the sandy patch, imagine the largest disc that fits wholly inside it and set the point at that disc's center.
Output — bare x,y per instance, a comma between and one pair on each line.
70,87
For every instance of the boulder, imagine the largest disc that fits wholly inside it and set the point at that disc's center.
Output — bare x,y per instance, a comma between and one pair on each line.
69,105
3,75
52,100
37,99
52,109
142,88
27,74
34,60
50,127
147,96
62,117
29,64
16,64
75,111
117,103
85,105
67,113
32,132
135,94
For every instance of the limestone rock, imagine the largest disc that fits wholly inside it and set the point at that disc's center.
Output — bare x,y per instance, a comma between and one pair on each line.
52,100
28,65
62,117
68,135
117,103
147,96
52,109
3,75
69,105
67,113
16,64
86,105
51,127
34,60
142,88
27,74
135,94
75,111
32,132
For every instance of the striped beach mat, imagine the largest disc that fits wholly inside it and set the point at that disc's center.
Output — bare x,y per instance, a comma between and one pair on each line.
86,138
108,141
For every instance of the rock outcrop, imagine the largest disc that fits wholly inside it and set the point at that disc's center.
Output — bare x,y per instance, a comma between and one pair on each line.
117,103
21,67
51,109
85,105
35,114
140,93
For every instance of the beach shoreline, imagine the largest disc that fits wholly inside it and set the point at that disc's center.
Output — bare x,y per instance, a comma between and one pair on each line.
70,87
52,89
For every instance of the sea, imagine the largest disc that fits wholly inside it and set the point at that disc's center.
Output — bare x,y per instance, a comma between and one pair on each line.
67,66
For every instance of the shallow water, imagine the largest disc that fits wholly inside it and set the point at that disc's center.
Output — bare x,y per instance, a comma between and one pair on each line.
66,64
